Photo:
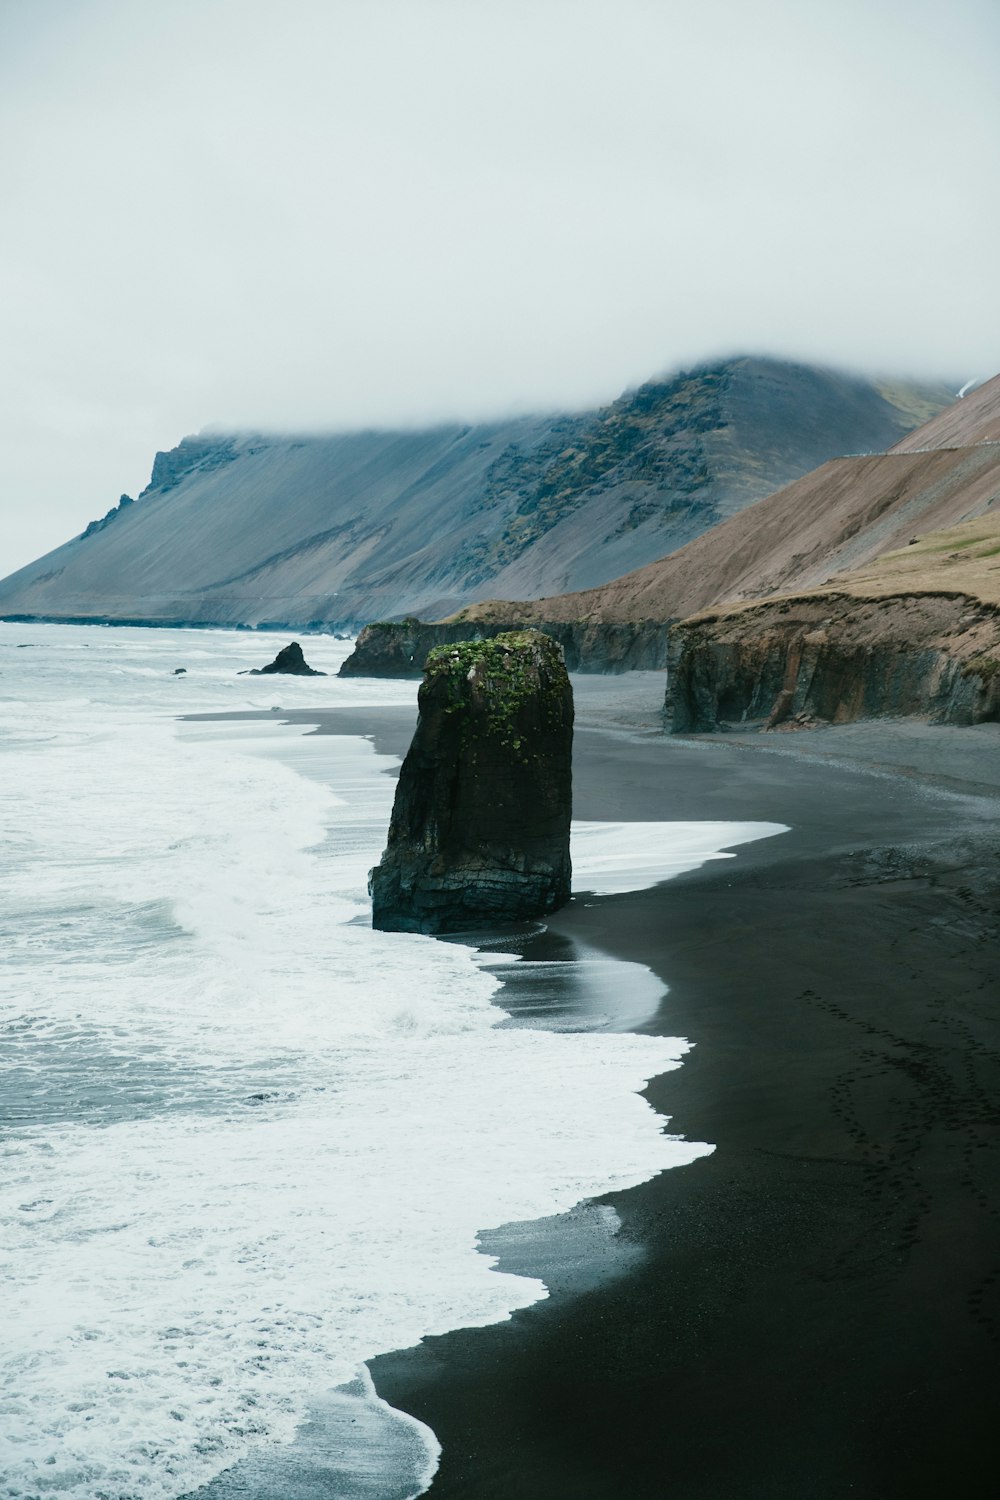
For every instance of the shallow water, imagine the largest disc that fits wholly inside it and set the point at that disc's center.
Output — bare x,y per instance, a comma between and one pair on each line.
248,1143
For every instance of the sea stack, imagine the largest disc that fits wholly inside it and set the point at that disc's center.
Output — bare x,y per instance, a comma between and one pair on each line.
290,662
480,826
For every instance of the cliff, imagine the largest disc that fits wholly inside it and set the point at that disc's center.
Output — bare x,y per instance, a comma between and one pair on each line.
916,633
480,823
399,648
332,531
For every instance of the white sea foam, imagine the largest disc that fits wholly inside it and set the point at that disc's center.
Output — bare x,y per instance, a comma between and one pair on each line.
251,1142
610,858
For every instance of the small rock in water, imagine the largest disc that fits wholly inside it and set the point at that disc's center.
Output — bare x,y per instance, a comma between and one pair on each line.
179,671
289,661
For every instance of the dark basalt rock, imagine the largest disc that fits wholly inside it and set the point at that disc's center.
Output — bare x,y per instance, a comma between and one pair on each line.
790,663
192,455
480,826
108,517
398,648
289,661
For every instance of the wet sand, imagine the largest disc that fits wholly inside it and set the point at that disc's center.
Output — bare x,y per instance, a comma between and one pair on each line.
814,1310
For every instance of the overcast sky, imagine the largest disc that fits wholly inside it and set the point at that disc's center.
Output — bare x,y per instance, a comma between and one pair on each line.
327,213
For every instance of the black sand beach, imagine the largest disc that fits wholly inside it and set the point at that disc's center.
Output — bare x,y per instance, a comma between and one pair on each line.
813,1311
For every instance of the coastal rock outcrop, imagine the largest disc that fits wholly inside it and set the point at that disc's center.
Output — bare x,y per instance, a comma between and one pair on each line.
399,648
831,658
480,826
290,662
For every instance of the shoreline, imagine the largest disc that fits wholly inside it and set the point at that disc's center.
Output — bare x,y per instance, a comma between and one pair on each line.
813,1309
817,1310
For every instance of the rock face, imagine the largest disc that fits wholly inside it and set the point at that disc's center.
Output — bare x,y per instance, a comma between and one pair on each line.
831,658
289,661
391,648
108,517
480,826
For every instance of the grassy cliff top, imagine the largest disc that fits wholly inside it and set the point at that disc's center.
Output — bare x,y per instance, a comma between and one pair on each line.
960,559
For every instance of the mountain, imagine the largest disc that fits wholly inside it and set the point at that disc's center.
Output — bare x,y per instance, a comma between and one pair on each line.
251,529
844,515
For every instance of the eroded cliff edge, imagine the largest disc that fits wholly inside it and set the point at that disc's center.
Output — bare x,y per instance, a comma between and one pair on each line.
399,648
480,825
832,658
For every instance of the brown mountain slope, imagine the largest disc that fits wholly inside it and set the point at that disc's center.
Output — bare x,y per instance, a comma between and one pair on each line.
840,517
973,419
958,562
963,560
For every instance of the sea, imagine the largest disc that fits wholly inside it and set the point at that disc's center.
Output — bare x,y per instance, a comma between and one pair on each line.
246,1142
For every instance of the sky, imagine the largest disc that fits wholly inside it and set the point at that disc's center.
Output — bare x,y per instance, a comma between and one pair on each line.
324,214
